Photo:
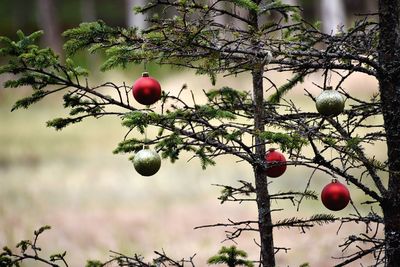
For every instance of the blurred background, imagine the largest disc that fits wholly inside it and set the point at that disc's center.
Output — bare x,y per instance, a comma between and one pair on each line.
96,202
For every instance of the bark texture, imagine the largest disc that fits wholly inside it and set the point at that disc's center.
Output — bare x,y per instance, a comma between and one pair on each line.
261,181
389,83
263,198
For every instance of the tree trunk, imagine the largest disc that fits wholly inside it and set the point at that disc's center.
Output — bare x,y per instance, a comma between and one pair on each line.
88,10
261,181
389,86
332,15
221,19
20,14
135,20
263,198
47,20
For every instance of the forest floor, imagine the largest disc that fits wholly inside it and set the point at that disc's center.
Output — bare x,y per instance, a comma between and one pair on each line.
96,202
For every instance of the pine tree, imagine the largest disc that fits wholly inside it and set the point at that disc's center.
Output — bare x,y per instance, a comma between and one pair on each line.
230,257
275,38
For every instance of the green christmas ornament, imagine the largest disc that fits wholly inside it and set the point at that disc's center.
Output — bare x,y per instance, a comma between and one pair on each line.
330,102
147,162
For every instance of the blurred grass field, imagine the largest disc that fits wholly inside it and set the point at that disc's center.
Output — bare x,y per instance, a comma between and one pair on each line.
96,202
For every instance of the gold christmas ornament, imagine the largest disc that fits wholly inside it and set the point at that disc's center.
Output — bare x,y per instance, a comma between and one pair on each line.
147,162
330,102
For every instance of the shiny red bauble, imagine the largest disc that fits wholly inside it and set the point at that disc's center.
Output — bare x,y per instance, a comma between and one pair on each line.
146,90
335,196
276,162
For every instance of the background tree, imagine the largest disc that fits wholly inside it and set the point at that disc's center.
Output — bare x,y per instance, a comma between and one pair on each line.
230,256
333,16
88,10
135,20
243,123
47,20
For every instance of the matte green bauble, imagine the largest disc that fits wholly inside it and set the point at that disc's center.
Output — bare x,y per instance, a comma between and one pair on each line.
330,102
147,162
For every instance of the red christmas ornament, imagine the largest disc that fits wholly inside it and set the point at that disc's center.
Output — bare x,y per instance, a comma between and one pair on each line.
335,196
273,157
146,90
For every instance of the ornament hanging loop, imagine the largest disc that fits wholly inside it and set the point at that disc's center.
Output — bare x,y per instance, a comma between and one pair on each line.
327,80
334,180
145,141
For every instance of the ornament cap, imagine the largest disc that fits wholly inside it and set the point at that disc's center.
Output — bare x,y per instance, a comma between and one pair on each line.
145,74
334,181
271,149
329,88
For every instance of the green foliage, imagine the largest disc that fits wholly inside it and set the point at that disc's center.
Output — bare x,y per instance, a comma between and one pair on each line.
33,78
140,120
227,95
6,258
25,53
209,66
129,145
284,9
229,192
121,56
317,219
205,160
354,142
171,146
35,67
248,4
75,70
209,112
377,164
277,96
321,219
122,46
226,194
58,257
81,105
308,194
60,123
231,256
227,123
331,141
286,141
12,48
29,250
94,263
41,230
137,9
27,101
87,34
40,68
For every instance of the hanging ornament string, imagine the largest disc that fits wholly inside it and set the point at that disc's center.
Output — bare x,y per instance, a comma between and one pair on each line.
145,143
327,79
145,65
